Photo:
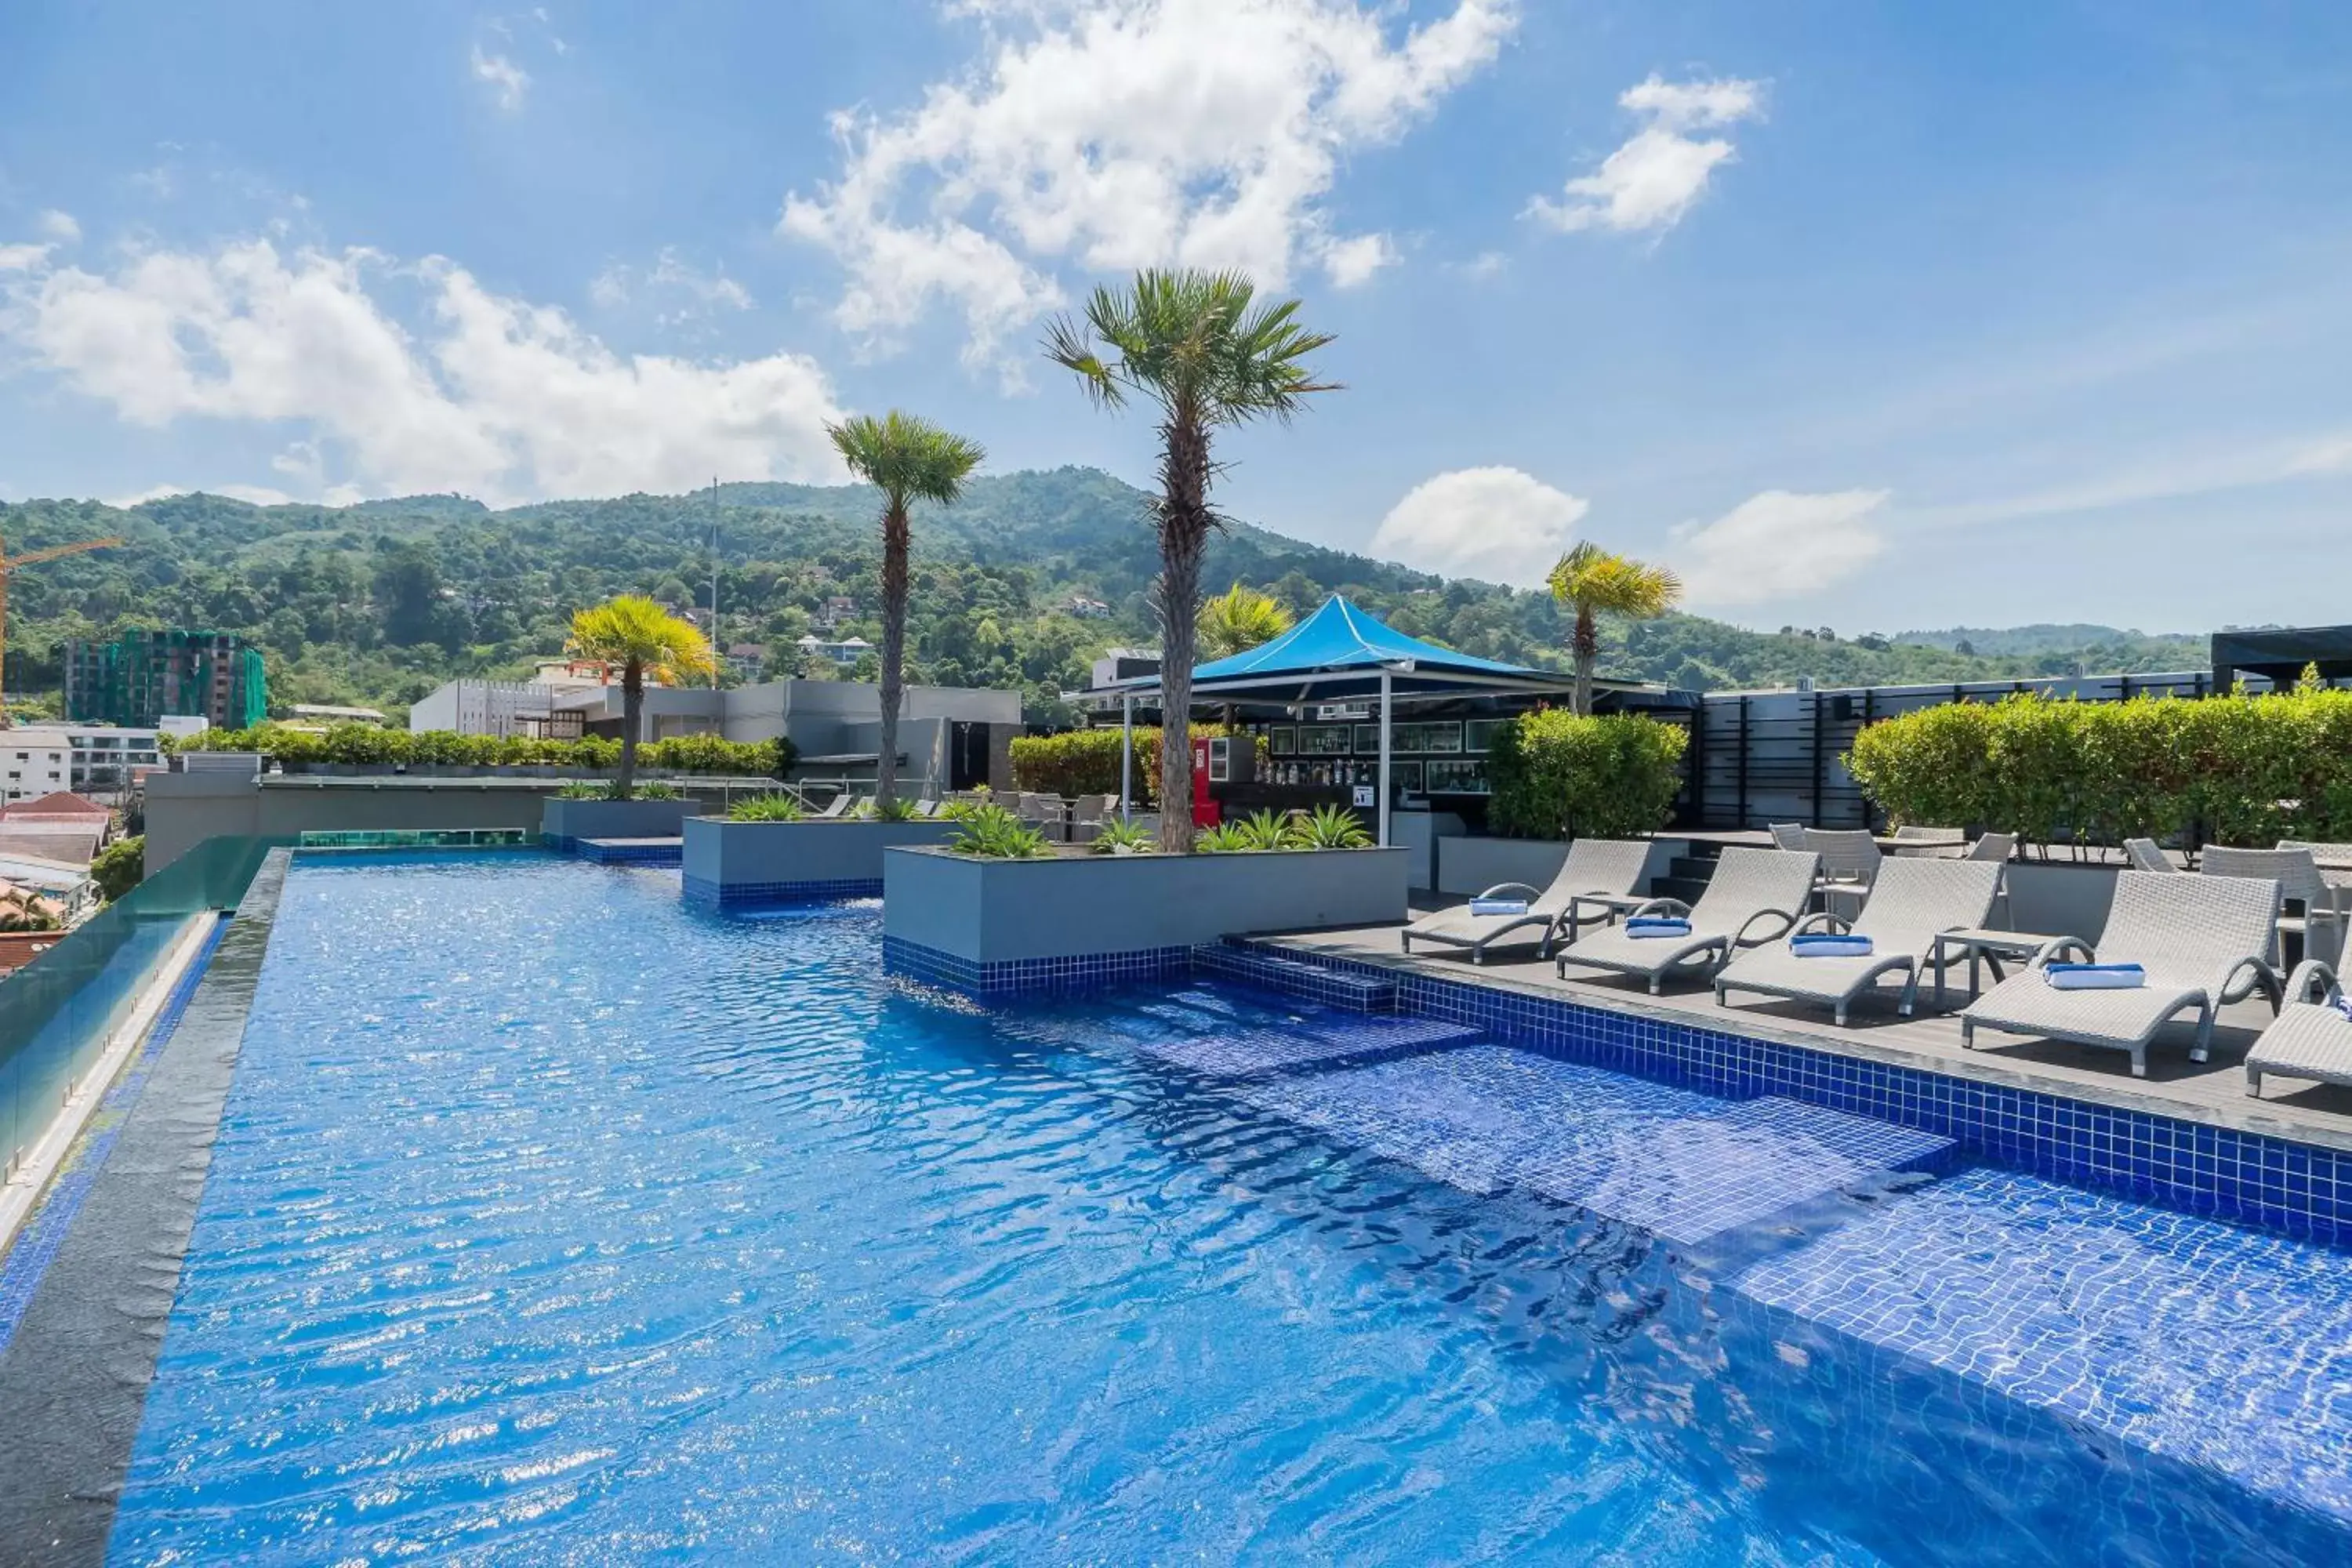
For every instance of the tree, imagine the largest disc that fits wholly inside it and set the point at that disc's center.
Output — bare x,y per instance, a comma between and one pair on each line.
1199,346
1594,583
1237,621
908,460
643,639
119,867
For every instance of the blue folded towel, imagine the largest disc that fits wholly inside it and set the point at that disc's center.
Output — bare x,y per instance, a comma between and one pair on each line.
1498,906
2343,1003
1830,944
1656,925
2093,976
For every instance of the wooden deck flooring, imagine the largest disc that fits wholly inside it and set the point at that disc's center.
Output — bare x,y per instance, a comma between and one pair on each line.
2212,1092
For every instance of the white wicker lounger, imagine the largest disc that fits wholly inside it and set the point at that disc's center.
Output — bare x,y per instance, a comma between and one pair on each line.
1596,880
1911,902
1751,889
2309,1039
2202,939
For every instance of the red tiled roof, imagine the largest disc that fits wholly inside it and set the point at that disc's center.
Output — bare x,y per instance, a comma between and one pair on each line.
63,803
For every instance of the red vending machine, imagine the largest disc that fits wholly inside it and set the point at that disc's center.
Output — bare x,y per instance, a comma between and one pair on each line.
1206,812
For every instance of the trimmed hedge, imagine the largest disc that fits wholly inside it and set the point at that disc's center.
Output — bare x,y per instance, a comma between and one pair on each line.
1554,775
365,745
2243,769
1085,762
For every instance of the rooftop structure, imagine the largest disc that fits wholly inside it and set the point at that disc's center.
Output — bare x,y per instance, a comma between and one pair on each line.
143,675
42,760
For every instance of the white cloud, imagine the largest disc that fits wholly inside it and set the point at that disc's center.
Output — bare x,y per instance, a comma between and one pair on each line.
1496,524
1111,134
1485,265
494,396
1656,176
678,291
23,257
60,226
1780,545
506,79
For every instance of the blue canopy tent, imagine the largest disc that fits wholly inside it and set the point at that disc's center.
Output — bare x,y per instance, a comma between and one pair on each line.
1337,654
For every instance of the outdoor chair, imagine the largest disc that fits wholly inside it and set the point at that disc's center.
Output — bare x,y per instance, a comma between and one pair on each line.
838,806
2310,1038
2146,855
2321,923
1912,839
1755,895
2203,941
1789,835
1910,903
1597,880
1850,861
1996,848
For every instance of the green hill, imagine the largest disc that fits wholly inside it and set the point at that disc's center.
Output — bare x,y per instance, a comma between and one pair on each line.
378,603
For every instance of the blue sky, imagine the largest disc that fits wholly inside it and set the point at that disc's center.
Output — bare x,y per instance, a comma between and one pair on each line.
1876,316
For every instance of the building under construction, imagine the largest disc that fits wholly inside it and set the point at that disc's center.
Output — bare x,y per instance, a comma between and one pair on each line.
143,675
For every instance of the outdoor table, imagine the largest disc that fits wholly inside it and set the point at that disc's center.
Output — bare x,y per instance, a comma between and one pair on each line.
1982,947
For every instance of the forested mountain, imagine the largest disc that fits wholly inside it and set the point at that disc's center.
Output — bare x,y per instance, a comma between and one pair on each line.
1020,584
2093,647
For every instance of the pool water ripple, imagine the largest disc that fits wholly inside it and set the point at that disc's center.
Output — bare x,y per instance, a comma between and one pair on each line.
553,1222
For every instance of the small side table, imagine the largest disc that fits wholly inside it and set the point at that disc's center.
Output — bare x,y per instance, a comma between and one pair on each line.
1982,947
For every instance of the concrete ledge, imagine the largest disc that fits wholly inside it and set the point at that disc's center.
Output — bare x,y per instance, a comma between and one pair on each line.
735,863
562,822
995,927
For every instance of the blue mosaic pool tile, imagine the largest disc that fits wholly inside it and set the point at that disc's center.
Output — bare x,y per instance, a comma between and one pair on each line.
44,1231
1239,1049
633,851
2247,1178
1291,977
2201,1341
703,893
1684,1165
1005,979
562,843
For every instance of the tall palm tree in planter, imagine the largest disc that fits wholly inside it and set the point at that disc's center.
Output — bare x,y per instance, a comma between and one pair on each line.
631,633
908,460
1594,583
1201,347
1237,621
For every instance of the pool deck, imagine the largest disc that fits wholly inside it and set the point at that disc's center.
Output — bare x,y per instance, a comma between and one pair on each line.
2212,1092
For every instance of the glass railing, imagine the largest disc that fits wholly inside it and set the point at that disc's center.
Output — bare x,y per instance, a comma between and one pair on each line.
57,1012
420,839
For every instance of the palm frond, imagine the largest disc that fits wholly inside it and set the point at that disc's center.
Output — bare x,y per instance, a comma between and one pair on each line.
905,458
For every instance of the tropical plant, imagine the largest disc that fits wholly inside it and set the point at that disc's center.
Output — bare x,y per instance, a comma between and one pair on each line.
996,833
119,867
1199,346
908,460
885,808
1237,621
1557,774
1225,839
1123,838
1329,827
584,789
22,910
1594,583
775,807
1266,830
651,789
641,638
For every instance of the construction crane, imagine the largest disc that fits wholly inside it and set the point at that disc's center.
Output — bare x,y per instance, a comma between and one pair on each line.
8,564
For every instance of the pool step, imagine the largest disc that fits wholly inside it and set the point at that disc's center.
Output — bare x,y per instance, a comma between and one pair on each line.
1677,1164
633,851
1252,965
1246,1048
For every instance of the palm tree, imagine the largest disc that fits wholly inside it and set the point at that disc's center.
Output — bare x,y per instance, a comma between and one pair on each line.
1596,583
1198,345
1237,621
908,460
643,639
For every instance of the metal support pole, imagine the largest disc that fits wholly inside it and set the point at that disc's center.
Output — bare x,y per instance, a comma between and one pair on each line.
1126,758
1384,758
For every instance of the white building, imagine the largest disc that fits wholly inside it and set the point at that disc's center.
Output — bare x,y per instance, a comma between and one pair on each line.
86,759
849,650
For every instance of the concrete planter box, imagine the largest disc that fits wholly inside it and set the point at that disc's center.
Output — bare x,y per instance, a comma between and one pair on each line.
994,927
563,823
1468,867
736,863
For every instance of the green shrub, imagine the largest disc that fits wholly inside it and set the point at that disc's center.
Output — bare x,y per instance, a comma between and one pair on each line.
2247,770
996,833
649,789
776,808
1330,827
1555,774
898,808
583,789
1085,762
1124,838
119,867
1225,839
365,745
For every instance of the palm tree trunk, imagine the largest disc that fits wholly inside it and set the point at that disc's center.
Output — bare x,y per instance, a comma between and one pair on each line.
633,708
1584,647
894,647
1185,524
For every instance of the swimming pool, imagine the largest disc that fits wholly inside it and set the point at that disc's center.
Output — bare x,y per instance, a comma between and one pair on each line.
550,1220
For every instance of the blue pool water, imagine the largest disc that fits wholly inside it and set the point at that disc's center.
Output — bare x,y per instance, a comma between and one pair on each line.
553,1222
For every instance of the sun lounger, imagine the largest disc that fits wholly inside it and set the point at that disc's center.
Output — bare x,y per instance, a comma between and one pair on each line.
1789,835
838,806
1910,902
2296,871
1597,878
2147,855
2202,940
1755,895
2310,1038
